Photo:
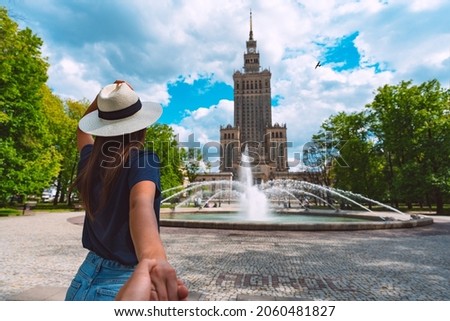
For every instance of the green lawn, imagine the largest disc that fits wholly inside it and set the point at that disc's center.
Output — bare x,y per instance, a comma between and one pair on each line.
40,207
9,212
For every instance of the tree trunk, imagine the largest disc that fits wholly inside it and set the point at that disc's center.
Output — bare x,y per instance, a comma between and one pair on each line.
72,176
409,205
58,188
439,202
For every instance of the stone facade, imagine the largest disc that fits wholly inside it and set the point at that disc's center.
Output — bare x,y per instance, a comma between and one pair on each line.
253,129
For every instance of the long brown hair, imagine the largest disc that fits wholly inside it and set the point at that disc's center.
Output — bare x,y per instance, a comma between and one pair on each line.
108,157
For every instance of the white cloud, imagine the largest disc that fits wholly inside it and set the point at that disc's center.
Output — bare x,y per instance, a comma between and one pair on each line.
204,123
418,5
72,76
158,42
153,92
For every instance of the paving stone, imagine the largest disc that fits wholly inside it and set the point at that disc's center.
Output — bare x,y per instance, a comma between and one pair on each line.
40,253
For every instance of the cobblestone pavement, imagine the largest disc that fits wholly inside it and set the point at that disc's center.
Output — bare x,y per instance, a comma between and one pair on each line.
44,250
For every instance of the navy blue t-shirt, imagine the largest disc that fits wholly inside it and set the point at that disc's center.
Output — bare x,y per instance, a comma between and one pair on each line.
108,235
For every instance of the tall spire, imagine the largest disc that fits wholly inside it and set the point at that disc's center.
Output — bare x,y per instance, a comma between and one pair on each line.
251,28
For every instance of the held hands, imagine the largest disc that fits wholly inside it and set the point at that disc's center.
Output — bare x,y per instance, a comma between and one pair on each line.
153,280
165,285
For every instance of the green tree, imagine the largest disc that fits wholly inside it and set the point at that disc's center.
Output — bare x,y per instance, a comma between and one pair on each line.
28,160
191,159
63,117
74,110
412,125
432,129
160,138
353,160
55,118
393,112
397,149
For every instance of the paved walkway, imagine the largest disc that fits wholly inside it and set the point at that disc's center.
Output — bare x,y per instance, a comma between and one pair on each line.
40,253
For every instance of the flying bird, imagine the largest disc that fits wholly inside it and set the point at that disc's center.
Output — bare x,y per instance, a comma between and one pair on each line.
318,65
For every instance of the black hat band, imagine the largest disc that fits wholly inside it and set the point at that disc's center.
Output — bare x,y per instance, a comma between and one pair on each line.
119,114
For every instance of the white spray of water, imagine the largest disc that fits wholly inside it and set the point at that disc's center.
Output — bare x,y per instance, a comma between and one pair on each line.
253,202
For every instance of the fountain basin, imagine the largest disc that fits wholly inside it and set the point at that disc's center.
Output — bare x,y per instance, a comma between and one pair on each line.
291,220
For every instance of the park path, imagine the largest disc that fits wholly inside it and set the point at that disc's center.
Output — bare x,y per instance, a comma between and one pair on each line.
43,251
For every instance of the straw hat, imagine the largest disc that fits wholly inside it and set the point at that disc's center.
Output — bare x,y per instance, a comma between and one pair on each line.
120,111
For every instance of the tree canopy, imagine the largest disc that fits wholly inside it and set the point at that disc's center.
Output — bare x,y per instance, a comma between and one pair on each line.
412,123
160,138
28,159
398,148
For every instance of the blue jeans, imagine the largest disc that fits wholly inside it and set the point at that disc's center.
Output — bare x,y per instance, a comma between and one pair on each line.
98,279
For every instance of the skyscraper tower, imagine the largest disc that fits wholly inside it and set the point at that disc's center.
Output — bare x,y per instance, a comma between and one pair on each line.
253,127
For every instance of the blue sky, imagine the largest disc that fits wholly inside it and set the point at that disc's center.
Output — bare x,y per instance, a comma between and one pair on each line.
182,54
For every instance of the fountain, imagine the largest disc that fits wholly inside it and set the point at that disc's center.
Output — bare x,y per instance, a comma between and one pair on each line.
278,205
253,205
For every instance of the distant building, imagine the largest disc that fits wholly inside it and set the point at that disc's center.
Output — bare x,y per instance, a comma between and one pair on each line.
253,128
